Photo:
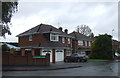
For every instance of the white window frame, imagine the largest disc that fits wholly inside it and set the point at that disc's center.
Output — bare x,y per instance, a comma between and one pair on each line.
30,37
80,42
68,40
63,40
54,35
85,43
89,43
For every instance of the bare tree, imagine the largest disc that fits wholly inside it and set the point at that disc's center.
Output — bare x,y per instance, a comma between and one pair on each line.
84,29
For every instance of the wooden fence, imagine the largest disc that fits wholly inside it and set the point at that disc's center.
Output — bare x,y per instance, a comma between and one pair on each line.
25,60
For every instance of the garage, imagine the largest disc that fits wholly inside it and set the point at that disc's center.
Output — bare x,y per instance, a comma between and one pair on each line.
44,51
59,55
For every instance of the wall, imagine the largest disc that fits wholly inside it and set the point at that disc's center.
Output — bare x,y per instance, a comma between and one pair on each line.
60,39
70,45
47,36
24,60
38,38
66,41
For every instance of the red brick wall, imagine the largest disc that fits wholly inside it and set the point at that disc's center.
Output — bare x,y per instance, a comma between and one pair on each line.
64,53
73,45
87,43
66,41
76,43
60,38
37,52
115,46
23,41
53,56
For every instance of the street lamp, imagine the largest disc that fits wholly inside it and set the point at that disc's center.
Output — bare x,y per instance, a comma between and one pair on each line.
112,44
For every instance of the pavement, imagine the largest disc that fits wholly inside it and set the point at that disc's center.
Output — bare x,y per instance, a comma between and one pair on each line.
56,66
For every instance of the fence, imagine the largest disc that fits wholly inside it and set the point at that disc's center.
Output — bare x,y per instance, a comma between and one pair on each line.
25,60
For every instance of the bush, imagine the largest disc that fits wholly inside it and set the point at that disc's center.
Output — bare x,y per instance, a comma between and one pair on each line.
5,48
102,47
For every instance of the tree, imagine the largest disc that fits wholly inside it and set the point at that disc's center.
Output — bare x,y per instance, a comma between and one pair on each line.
83,29
8,9
102,47
5,48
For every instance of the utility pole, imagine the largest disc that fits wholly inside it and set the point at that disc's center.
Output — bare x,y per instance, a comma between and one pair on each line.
112,45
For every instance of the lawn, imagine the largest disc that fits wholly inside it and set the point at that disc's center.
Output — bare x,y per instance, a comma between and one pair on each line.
97,60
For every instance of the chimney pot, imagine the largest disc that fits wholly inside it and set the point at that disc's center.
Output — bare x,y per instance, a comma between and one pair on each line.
60,28
66,31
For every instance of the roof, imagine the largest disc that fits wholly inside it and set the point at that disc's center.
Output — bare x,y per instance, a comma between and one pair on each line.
42,28
48,45
12,46
115,42
80,36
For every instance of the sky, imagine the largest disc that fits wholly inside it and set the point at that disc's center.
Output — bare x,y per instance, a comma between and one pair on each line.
101,17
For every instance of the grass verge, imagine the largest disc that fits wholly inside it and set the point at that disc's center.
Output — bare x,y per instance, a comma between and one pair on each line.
97,60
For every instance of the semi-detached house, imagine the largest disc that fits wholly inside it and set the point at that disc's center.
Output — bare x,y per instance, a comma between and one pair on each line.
43,39
81,43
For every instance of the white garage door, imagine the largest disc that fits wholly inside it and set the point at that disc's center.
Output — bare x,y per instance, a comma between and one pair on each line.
44,51
59,54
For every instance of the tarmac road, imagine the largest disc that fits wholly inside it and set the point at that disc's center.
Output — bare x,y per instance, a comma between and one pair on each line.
108,69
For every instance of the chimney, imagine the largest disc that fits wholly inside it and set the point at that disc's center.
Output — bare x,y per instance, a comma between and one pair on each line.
60,28
66,31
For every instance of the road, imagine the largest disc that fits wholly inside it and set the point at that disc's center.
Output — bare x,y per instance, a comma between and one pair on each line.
110,69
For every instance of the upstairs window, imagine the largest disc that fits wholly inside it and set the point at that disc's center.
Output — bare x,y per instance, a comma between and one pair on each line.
85,43
68,40
89,43
63,39
80,42
30,38
53,37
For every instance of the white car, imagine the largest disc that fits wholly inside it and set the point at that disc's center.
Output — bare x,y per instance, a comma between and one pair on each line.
117,54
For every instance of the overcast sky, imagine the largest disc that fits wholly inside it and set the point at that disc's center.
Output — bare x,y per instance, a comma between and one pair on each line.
101,17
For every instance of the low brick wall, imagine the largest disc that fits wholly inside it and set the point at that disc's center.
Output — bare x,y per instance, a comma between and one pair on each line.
25,60
117,58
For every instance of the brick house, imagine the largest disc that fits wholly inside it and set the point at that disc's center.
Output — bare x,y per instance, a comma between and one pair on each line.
81,43
115,45
119,46
44,39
